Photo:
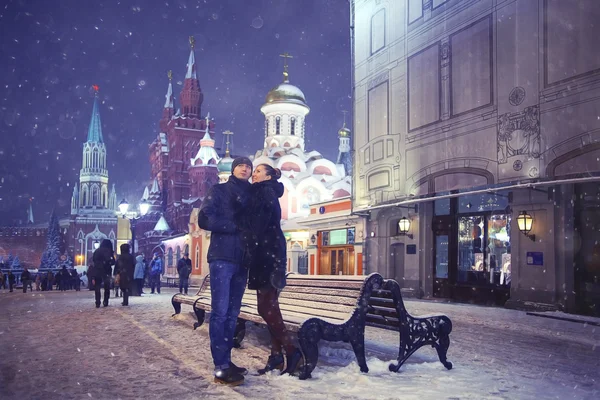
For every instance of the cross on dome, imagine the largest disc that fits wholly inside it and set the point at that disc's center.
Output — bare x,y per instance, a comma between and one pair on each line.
286,75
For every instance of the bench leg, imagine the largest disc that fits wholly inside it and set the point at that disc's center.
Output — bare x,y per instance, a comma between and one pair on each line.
308,337
200,315
357,341
240,332
442,350
176,306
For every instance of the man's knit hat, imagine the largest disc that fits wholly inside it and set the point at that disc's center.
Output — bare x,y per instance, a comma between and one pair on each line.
240,161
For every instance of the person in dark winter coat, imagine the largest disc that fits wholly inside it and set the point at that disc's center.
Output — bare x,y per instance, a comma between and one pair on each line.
11,280
228,276
125,267
25,279
260,223
103,261
184,269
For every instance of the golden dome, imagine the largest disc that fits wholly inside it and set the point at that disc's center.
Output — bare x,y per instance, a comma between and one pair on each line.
344,132
287,93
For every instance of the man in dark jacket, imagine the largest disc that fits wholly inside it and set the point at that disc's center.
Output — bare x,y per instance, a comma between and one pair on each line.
25,278
125,266
11,280
228,276
156,270
184,269
103,261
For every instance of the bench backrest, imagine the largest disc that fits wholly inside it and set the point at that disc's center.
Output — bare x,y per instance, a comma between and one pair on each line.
334,297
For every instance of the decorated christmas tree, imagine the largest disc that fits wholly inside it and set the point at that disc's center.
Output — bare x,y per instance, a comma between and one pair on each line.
16,264
51,256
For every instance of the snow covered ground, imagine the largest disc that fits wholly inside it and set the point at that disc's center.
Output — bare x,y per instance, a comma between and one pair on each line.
56,345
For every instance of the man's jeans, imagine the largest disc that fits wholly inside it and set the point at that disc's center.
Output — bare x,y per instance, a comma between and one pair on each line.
227,286
183,285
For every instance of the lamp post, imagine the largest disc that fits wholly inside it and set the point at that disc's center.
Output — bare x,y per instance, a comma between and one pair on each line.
123,207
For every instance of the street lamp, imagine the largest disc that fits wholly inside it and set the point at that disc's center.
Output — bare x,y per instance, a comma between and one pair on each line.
144,206
404,227
525,223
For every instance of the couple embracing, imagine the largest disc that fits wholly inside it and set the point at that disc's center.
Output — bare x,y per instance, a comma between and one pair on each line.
247,247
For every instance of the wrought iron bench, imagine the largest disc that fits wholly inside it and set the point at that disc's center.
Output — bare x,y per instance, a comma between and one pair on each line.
337,308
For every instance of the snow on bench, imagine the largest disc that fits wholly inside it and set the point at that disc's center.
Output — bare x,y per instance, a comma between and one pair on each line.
337,308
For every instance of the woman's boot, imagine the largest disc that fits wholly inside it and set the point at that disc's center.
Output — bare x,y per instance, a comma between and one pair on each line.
292,362
275,361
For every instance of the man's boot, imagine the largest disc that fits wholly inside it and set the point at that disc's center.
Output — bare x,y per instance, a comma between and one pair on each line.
228,377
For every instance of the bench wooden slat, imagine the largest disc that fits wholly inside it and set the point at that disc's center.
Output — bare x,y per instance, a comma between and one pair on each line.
322,298
326,284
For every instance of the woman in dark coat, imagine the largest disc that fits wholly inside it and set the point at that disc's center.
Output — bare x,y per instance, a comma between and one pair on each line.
103,261
125,267
260,223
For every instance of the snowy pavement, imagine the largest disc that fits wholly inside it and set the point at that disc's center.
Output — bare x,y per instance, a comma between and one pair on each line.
56,345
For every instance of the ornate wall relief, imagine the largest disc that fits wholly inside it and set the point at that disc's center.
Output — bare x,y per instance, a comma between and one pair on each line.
519,136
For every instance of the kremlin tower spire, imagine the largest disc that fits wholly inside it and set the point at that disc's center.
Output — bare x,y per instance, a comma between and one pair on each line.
191,96
203,167
93,176
168,108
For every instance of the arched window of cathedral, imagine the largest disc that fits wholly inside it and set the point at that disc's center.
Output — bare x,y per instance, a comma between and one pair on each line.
95,195
293,126
95,159
186,249
197,256
310,195
84,195
170,257
266,127
277,125
178,252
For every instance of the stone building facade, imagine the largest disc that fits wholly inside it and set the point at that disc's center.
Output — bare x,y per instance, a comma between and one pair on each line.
467,115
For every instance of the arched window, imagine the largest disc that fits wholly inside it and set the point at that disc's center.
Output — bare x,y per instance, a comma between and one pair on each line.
186,249
178,257
84,197
293,126
277,125
95,195
266,127
95,159
170,257
198,257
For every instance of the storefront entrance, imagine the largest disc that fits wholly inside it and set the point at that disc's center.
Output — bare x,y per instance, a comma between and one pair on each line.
337,261
471,254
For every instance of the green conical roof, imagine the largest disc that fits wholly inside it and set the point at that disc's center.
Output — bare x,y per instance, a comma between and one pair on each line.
95,129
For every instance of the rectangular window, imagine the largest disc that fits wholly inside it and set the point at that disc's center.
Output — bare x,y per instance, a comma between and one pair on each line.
337,237
351,235
471,67
325,238
378,31
424,87
415,10
378,111
570,42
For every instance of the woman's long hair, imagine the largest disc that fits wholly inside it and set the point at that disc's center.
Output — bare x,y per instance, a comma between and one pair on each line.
274,173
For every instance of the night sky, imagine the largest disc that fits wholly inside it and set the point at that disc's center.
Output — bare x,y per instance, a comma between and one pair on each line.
52,52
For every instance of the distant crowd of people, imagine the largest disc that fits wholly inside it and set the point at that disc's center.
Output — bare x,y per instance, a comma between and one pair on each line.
63,280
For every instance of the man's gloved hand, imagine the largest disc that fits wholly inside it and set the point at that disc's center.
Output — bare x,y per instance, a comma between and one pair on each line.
278,278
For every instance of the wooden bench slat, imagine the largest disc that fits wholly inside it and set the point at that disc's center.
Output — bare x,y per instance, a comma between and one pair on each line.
350,293
326,284
323,298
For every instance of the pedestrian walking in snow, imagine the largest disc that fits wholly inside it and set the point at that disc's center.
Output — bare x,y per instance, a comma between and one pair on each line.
75,282
228,276
138,276
260,223
103,262
124,272
50,282
11,281
38,282
63,278
184,269
156,271
25,279
1,281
